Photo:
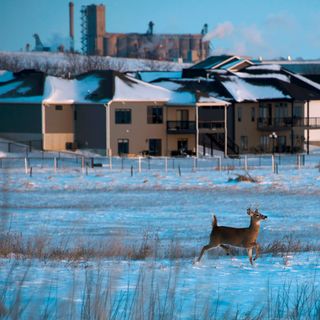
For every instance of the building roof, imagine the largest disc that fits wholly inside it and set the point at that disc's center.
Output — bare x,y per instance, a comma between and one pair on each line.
91,87
269,82
197,90
225,62
25,86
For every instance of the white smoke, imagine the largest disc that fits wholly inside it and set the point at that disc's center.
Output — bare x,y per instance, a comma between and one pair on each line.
221,31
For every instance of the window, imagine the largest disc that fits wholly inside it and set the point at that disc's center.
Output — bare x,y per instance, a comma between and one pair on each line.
264,142
123,146
155,147
59,108
253,114
298,111
244,142
155,115
123,116
282,143
239,109
281,110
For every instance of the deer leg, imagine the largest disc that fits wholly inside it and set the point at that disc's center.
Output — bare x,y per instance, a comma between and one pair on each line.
225,248
257,247
249,250
204,249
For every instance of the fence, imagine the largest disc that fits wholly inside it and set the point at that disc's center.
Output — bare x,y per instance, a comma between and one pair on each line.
63,161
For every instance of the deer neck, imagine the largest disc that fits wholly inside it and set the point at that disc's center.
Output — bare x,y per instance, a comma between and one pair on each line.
254,225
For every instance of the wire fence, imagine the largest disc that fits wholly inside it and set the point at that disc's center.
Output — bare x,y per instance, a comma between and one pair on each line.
65,161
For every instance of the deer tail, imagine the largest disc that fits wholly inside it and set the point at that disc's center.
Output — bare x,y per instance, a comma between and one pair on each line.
214,221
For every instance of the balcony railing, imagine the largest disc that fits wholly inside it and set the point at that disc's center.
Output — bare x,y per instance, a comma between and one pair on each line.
288,122
211,125
179,127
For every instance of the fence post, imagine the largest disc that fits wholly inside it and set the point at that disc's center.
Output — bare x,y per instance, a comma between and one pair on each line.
165,164
246,163
26,165
179,169
219,163
110,162
82,163
272,163
194,165
298,161
139,164
55,164
131,170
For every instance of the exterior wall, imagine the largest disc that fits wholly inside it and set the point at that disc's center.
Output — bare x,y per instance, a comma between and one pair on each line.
139,131
21,122
58,127
257,139
247,127
20,118
90,127
314,111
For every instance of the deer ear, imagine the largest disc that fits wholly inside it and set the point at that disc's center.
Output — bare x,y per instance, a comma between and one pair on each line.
256,211
249,211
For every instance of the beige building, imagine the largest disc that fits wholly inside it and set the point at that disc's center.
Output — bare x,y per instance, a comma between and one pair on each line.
255,122
153,128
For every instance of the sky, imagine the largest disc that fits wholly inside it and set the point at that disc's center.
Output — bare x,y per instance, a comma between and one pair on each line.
256,28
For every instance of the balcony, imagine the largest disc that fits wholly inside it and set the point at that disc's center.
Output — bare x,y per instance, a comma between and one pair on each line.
211,126
288,122
181,127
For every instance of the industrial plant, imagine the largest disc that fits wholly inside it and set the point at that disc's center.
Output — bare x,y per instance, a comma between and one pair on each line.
171,47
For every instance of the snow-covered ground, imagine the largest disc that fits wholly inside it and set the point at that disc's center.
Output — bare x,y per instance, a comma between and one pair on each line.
93,206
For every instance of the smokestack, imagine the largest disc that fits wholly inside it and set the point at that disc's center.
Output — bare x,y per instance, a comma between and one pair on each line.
71,25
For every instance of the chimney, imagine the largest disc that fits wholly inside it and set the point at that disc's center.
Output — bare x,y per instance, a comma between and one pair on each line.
71,25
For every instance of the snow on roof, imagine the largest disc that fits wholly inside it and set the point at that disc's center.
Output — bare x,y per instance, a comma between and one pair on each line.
244,91
58,90
69,91
306,80
182,98
18,91
272,67
278,76
6,76
170,85
213,100
130,89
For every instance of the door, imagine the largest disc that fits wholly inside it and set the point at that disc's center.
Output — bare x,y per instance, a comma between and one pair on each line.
183,146
155,147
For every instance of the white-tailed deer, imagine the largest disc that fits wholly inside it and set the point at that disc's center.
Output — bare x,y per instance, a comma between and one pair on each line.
238,237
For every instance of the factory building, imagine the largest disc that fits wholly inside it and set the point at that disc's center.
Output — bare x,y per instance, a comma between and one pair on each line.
171,47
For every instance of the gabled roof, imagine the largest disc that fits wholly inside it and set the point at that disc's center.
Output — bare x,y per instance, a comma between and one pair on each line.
225,62
131,89
91,87
24,87
212,62
197,90
268,82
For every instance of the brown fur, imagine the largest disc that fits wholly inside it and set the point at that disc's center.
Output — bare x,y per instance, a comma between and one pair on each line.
238,237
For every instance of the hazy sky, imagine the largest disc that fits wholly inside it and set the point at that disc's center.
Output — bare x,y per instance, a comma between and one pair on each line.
267,28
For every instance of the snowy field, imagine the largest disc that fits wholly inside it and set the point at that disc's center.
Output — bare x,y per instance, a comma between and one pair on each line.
169,207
